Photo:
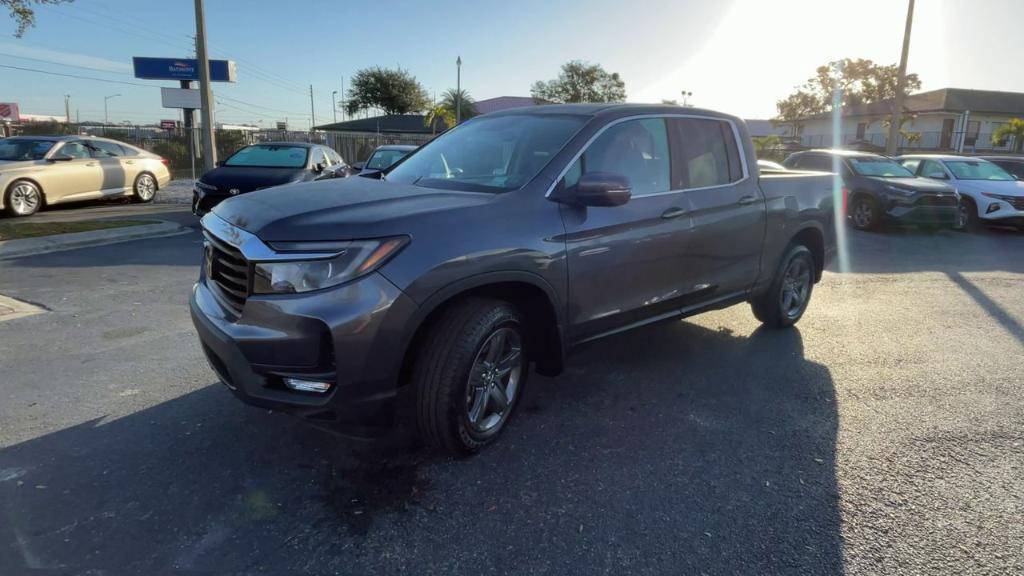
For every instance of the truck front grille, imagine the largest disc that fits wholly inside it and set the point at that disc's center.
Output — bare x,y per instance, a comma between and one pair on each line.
937,201
228,274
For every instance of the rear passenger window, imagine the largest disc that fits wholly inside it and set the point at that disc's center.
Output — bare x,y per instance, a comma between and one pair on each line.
911,164
816,162
636,149
708,154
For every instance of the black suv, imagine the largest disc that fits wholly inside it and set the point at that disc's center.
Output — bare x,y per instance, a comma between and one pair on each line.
426,295
878,190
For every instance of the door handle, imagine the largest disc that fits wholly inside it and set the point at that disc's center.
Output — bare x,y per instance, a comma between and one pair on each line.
673,212
129,161
747,200
90,164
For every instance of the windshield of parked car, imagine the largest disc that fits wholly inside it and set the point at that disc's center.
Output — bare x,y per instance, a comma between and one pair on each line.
382,159
977,170
494,154
269,156
12,150
880,167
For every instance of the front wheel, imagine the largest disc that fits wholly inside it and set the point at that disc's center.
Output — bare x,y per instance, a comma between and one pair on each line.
966,216
469,374
145,188
865,214
787,298
23,199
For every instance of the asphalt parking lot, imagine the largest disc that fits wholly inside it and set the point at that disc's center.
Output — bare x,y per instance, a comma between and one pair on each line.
885,435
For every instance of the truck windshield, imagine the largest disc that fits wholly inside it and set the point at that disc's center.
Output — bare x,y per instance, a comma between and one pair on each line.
495,154
13,150
881,167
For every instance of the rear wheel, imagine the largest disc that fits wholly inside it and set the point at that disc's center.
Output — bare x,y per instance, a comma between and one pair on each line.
145,188
785,301
865,214
469,374
23,198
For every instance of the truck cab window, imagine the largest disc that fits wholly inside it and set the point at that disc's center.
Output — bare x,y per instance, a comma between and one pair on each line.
636,149
708,155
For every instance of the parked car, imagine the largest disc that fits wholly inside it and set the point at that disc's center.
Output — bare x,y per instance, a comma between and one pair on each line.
990,194
426,296
264,165
46,170
769,165
878,190
383,157
1012,164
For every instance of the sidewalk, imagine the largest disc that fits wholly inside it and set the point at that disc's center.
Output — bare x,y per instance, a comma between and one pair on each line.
43,244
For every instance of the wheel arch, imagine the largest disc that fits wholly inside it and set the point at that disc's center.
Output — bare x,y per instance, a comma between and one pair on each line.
529,293
813,238
29,179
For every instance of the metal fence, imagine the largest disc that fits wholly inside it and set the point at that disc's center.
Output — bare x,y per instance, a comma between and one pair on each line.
919,141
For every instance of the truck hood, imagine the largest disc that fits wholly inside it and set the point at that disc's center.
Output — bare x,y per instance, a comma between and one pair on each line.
339,209
247,179
917,184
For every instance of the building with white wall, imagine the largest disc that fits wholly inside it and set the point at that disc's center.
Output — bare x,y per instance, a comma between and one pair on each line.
950,119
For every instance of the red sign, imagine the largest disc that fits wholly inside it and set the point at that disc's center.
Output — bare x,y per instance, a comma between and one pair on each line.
168,124
9,112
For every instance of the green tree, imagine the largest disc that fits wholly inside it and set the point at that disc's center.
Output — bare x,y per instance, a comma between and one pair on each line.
862,82
393,91
581,81
452,99
23,12
768,147
439,117
1012,129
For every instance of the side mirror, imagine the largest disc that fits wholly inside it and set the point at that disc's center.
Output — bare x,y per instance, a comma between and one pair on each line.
218,163
938,176
319,167
62,158
358,165
600,189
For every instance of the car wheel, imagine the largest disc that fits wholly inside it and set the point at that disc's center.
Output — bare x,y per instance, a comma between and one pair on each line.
864,213
967,216
23,198
785,301
469,374
145,188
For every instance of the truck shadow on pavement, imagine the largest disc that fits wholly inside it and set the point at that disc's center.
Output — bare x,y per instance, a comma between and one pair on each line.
675,449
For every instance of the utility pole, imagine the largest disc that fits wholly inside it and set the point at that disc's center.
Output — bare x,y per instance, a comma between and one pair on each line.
67,109
106,99
334,105
205,93
458,90
342,98
901,85
312,111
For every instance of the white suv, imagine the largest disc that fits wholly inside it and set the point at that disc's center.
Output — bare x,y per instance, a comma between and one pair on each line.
988,193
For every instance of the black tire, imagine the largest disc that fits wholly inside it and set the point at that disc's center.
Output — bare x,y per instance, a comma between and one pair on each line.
770,307
865,213
144,189
968,218
445,398
23,198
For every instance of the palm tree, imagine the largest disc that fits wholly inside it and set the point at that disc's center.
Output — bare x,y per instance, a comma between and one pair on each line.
1015,129
466,102
439,114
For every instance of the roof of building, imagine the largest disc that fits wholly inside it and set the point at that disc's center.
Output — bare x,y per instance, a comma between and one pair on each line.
390,123
944,100
504,103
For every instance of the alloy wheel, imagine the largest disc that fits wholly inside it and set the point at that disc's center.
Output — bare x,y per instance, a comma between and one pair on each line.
862,214
146,187
25,199
796,287
494,380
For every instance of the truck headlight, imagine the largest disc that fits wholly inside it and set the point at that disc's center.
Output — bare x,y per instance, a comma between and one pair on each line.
342,261
204,186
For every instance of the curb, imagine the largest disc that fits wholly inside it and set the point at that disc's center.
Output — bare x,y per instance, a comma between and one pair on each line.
58,242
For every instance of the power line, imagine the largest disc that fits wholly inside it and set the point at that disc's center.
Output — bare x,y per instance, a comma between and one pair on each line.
36,70
61,63
280,110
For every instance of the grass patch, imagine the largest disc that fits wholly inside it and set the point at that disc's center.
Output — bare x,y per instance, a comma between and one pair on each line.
12,231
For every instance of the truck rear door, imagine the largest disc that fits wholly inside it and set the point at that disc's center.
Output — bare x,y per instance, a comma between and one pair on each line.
727,208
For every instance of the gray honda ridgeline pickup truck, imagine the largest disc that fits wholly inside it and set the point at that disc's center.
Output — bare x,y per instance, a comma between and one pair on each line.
424,295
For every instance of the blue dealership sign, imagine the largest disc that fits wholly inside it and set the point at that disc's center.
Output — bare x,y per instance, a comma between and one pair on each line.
182,69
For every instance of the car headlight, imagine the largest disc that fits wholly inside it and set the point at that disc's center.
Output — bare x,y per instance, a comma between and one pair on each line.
204,186
899,191
342,262
1002,197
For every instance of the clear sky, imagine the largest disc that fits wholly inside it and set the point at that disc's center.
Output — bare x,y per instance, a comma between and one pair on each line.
737,56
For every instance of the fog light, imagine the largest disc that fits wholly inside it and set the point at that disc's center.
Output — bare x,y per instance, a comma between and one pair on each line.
307,385
992,208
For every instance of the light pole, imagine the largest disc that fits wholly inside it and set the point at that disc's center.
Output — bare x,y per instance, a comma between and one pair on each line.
458,90
334,105
686,97
106,120
205,92
67,109
901,85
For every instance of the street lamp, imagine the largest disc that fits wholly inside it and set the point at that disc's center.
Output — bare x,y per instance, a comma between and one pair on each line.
334,105
106,120
458,90
686,97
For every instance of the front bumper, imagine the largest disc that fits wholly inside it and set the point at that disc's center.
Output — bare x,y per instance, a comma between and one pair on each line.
351,335
1002,212
204,200
923,209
